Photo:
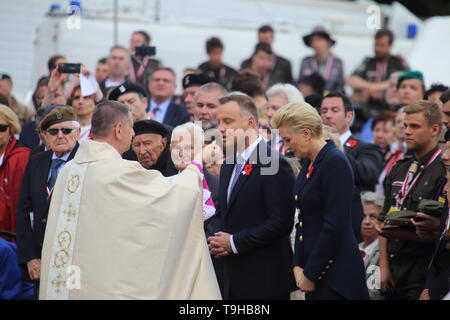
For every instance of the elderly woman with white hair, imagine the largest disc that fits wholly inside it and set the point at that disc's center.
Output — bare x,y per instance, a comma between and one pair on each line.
279,95
373,205
187,142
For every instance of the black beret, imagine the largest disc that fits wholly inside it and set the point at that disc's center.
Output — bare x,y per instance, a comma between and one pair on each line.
149,126
58,114
126,87
195,80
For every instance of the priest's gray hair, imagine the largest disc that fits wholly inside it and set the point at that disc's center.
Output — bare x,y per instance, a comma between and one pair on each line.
288,91
191,128
106,115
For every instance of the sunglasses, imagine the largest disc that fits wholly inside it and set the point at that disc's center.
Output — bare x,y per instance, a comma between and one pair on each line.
3,127
55,131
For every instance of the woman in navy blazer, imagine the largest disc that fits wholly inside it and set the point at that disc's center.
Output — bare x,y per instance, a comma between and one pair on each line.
327,262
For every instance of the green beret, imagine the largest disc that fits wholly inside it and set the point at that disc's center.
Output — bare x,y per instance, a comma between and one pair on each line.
59,114
409,75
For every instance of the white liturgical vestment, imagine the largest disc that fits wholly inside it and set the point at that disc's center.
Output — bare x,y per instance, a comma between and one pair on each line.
118,231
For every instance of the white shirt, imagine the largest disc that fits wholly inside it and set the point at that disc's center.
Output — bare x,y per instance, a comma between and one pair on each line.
245,155
1,158
162,109
84,132
109,83
344,137
369,249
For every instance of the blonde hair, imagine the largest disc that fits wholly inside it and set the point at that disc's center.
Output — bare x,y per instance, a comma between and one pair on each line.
11,119
297,116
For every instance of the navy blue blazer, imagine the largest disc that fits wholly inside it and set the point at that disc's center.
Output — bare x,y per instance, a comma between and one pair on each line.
33,198
260,216
29,136
176,114
325,244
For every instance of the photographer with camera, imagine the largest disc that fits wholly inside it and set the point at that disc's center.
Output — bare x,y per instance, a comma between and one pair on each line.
142,65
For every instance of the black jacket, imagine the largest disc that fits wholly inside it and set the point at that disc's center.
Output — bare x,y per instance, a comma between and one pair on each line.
260,216
176,114
33,198
366,160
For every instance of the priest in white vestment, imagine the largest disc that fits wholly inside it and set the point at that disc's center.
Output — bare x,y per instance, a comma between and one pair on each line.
118,231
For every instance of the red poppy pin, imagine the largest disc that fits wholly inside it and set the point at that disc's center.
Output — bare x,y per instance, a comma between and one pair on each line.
247,169
310,172
351,143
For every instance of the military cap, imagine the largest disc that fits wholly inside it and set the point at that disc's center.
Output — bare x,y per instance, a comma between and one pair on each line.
127,87
413,74
59,114
195,80
149,126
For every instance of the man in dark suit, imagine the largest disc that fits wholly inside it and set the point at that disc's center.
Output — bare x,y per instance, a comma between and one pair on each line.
61,133
162,87
366,158
256,209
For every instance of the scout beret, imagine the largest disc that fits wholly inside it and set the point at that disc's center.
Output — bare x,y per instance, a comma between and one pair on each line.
127,87
59,114
195,80
409,75
149,126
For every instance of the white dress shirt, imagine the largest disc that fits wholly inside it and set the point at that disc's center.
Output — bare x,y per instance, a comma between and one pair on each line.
344,137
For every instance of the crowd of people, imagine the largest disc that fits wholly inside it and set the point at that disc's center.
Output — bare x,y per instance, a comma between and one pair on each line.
306,192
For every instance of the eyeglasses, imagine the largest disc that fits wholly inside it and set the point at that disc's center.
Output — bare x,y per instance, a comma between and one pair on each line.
55,131
3,127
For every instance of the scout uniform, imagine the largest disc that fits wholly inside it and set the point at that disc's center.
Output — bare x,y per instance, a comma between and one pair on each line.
410,181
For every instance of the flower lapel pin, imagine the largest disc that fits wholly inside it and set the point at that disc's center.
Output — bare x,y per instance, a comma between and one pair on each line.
310,172
247,169
351,143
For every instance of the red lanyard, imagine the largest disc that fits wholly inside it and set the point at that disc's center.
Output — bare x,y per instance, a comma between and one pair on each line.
133,76
84,133
381,70
410,183
328,67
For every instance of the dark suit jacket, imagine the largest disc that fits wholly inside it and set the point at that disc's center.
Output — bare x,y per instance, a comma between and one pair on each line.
176,114
29,136
260,216
325,245
33,198
366,160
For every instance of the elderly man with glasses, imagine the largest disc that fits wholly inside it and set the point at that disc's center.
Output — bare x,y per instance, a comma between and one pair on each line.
61,132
